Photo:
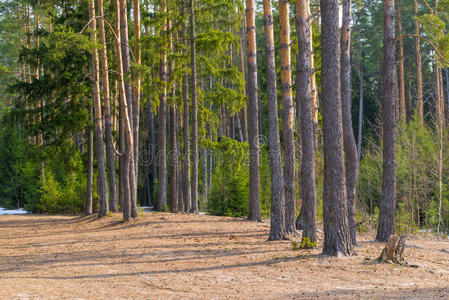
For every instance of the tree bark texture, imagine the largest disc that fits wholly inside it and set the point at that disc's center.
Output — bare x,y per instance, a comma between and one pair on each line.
348,132
337,240
304,98
277,228
387,207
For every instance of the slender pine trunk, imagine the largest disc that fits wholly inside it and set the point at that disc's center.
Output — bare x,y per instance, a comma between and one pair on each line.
110,156
307,218
277,228
288,119
253,114
101,177
194,208
349,144
387,207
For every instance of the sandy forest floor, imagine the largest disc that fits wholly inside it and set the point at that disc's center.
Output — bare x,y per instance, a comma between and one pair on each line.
166,256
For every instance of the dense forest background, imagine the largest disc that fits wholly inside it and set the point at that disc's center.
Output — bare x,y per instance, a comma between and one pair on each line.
188,72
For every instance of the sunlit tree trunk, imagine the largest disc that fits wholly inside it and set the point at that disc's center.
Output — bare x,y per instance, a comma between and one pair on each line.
288,120
253,114
304,98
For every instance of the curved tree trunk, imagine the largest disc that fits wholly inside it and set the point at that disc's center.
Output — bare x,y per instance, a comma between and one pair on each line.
307,218
110,156
101,177
253,114
387,207
288,119
337,241
277,228
348,132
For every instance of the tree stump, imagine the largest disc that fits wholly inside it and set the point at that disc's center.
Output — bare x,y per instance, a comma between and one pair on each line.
392,253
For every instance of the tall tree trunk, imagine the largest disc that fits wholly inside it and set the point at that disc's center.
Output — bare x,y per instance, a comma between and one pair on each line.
360,127
194,208
122,160
313,84
101,177
162,128
277,228
127,154
152,148
173,161
205,156
419,81
126,68
110,156
402,106
288,120
446,72
440,126
185,96
136,96
337,240
387,207
348,132
90,165
253,114
242,70
409,99
304,98
173,158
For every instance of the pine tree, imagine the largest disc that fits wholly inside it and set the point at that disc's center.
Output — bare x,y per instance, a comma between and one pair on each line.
253,114
277,228
288,120
350,147
337,241
387,207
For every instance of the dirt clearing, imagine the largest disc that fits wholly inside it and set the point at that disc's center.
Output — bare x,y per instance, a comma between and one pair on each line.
182,256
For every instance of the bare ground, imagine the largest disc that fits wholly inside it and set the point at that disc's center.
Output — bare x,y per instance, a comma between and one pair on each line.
182,256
